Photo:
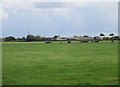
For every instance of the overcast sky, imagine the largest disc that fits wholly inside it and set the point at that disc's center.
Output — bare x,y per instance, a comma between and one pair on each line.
58,18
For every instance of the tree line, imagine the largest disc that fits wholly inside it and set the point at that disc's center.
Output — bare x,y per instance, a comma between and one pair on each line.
23,39
30,37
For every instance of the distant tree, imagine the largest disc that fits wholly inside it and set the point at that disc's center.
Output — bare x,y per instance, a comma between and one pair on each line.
106,38
116,38
43,38
112,38
30,37
48,42
68,41
112,34
85,36
21,39
38,38
101,34
10,38
75,36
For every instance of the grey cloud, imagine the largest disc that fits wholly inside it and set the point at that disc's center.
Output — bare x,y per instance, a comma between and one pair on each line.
47,5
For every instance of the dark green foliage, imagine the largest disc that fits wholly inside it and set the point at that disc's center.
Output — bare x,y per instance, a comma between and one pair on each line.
111,34
85,36
106,38
23,39
92,41
47,42
68,41
10,38
116,38
101,34
96,40
38,38
112,38
30,37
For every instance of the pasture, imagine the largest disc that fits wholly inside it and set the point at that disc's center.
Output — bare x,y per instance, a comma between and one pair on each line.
0,63
36,63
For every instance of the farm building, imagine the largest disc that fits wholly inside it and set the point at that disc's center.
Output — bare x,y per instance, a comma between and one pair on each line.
63,38
78,38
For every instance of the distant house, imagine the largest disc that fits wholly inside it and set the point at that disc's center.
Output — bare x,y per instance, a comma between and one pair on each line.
63,38
57,37
48,39
84,38
79,38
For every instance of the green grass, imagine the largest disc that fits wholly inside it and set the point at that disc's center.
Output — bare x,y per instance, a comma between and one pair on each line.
60,63
0,64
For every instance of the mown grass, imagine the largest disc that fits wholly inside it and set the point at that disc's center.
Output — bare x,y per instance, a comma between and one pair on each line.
60,63
0,64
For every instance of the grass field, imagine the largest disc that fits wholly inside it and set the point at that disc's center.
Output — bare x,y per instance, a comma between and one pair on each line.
60,63
0,64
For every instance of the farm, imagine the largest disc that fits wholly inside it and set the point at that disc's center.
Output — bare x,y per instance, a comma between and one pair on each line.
37,63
